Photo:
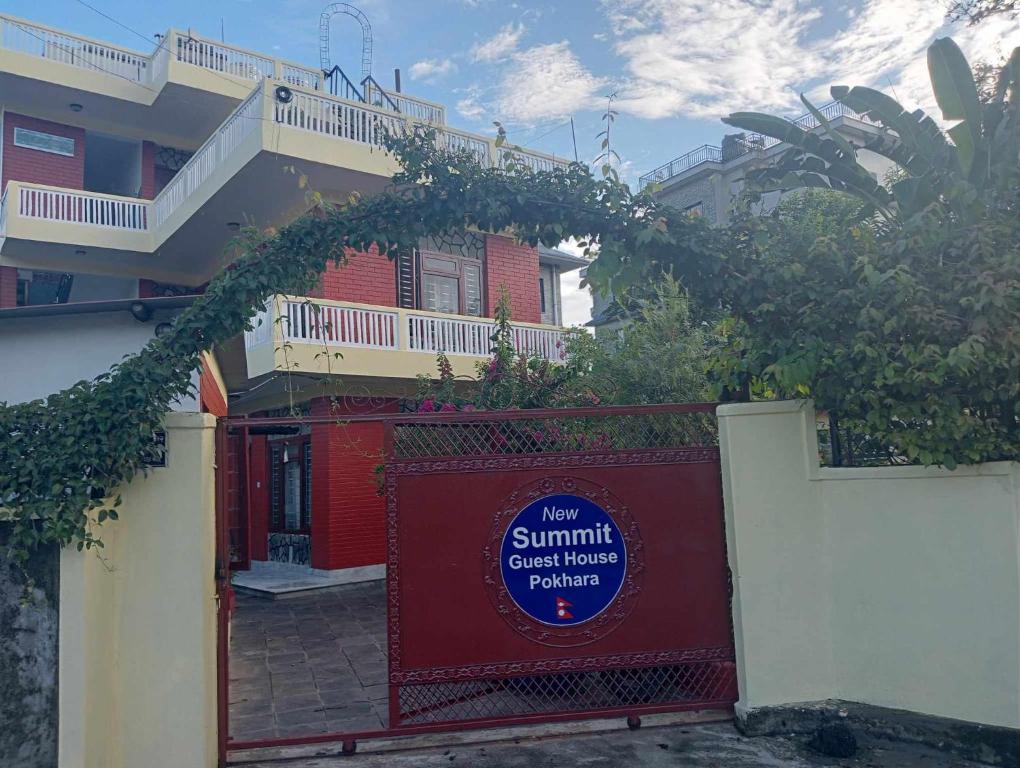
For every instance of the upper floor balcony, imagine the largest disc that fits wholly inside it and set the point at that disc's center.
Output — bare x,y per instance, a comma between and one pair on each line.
742,146
246,172
318,337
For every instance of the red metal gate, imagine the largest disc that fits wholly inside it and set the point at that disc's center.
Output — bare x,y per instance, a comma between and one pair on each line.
465,649
470,645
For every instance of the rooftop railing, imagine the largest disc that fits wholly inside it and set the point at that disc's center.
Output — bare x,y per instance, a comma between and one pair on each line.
73,50
709,153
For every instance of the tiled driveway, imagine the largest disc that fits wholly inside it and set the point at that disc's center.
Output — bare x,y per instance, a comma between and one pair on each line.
309,664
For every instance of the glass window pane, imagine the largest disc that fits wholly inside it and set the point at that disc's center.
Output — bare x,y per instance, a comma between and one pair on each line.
443,265
473,290
292,495
440,294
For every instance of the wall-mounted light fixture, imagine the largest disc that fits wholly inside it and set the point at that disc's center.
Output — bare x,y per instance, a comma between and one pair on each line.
140,311
75,107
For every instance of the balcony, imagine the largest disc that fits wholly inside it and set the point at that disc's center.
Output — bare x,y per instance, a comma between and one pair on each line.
244,172
175,95
303,336
709,153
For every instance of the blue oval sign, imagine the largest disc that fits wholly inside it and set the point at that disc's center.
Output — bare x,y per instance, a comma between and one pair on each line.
563,560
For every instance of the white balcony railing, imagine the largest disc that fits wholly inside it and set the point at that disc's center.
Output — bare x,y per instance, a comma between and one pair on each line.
339,118
340,326
337,324
76,51
89,208
213,153
220,57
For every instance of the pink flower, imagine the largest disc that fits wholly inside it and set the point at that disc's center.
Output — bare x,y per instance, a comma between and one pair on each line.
447,407
427,405
468,408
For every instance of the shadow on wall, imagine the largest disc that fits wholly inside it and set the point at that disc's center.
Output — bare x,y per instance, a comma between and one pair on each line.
28,658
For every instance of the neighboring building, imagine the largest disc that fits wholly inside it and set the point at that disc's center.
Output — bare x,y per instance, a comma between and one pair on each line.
124,175
707,180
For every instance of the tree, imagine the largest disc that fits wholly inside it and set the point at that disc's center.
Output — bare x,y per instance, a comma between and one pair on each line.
661,354
979,156
975,11
909,323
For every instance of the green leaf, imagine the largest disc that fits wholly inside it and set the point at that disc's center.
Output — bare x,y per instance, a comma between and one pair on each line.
956,93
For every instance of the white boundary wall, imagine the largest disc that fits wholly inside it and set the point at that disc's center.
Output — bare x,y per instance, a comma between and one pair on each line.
892,586
138,631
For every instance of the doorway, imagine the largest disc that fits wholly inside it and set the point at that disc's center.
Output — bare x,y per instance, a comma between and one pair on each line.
113,165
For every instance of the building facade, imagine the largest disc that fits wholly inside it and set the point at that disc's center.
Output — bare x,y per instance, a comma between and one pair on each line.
124,177
708,180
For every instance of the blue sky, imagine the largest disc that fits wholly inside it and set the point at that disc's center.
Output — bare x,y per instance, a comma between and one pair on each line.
676,66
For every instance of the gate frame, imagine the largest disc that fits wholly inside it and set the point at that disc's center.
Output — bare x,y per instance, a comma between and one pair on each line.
349,739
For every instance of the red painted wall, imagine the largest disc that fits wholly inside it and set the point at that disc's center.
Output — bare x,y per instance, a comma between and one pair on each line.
23,164
258,487
515,266
348,514
368,278
148,189
8,287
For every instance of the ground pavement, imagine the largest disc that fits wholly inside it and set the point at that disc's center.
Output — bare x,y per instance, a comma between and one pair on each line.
716,745
316,664
309,664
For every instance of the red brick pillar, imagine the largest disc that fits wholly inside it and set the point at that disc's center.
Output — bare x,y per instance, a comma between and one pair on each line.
8,287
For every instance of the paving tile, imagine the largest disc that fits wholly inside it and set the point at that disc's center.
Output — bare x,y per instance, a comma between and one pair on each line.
377,692
292,703
308,659
308,715
255,706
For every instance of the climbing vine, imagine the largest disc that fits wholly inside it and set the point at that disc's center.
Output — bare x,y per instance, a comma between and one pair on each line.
63,457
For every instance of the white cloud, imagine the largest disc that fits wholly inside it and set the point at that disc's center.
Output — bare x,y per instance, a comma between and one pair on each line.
546,82
708,59
471,106
499,46
432,69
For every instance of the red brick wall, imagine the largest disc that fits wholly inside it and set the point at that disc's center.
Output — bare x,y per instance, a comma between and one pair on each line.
148,190
8,287
32,165
348,514
516,267
368,278
23,164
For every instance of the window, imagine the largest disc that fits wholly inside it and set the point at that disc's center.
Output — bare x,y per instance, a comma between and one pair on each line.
695,210
451,284
290,486
36,288
44,142
541,293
